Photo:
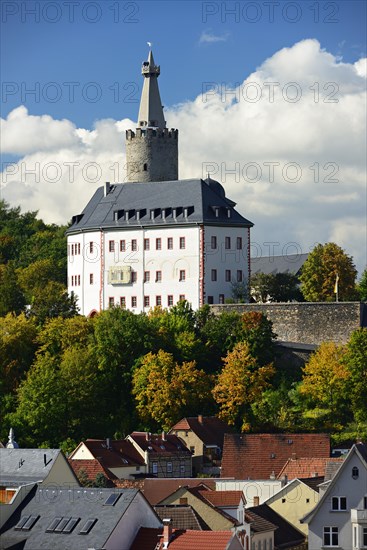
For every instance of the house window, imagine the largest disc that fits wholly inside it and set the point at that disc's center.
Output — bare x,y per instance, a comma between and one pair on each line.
155,467
170,300
91,247
214,274
364,537
111,301
210,300
239,276
134,276
170,243
182,243
192,449
365,503
158,276
182,297
145,167
134,245
355,472
78,248
239,243
72,280
122,301
221,298
338,504
122,245
78,280
158,300
169,468
146,276
146,301
90,278
111,246
213,242
228,275
182,275
146,244
158,244
182,469
133,301
331,536
227,243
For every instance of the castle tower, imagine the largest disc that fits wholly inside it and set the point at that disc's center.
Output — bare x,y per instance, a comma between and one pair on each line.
151,151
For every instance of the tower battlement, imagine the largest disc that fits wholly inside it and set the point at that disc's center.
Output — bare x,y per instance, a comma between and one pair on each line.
152,133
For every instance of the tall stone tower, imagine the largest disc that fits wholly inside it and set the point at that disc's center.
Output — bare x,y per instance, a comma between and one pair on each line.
152,150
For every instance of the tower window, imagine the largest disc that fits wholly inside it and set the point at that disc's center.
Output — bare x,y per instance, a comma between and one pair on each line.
355,472
145,167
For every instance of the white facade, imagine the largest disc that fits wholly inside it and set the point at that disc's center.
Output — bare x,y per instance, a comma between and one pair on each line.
340,518
140,268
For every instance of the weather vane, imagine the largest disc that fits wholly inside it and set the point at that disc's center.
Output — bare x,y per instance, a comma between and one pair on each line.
150,44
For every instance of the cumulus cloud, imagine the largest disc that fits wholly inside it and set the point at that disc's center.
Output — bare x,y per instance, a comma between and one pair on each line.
288,143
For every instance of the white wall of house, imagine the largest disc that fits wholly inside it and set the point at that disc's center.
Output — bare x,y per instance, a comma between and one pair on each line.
251,488
354,489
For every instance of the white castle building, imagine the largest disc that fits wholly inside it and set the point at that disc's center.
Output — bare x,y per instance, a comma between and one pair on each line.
155,239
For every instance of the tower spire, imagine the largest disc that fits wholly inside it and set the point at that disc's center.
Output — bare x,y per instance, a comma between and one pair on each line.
151,110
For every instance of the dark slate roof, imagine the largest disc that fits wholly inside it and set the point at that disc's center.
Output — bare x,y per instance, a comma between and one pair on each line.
182,516
200,197
155,445
287,263
20,466
258,523
209,429
313,482
285,536
82,503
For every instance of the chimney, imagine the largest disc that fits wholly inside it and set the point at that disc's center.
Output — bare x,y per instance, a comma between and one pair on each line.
147,438
167,532
44,459
256,501
315,474
183,500
108,443
294,456
107,188
272,476
164,436
200,419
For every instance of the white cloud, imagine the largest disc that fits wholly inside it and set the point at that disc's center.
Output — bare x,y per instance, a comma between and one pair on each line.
208,37
324,139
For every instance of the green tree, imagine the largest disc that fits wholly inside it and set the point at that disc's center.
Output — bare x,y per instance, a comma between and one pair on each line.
320,271
52,301
11,296
260,284
239,384
356,362
165,391
362,287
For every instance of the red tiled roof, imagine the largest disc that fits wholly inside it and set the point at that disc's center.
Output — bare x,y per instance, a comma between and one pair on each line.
121,453
156,489
257,456
209,429
156,444
223,498
306,467
205,540
147,539
91,467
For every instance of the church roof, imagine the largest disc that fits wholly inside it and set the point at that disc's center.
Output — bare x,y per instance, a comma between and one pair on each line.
181,202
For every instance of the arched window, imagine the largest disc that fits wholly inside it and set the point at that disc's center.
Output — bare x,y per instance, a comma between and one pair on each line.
145,167
355,472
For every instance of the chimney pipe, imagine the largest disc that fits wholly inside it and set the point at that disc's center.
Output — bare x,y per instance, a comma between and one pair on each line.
107,188
164,436
108,443
147,436
256,501
200,419
167,532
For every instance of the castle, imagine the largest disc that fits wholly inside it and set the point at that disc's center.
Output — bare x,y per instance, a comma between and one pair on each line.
155,240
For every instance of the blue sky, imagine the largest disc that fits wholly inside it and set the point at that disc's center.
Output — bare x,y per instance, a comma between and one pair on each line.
82,59
65,45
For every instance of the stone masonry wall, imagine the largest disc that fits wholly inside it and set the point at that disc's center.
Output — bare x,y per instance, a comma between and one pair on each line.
308,322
